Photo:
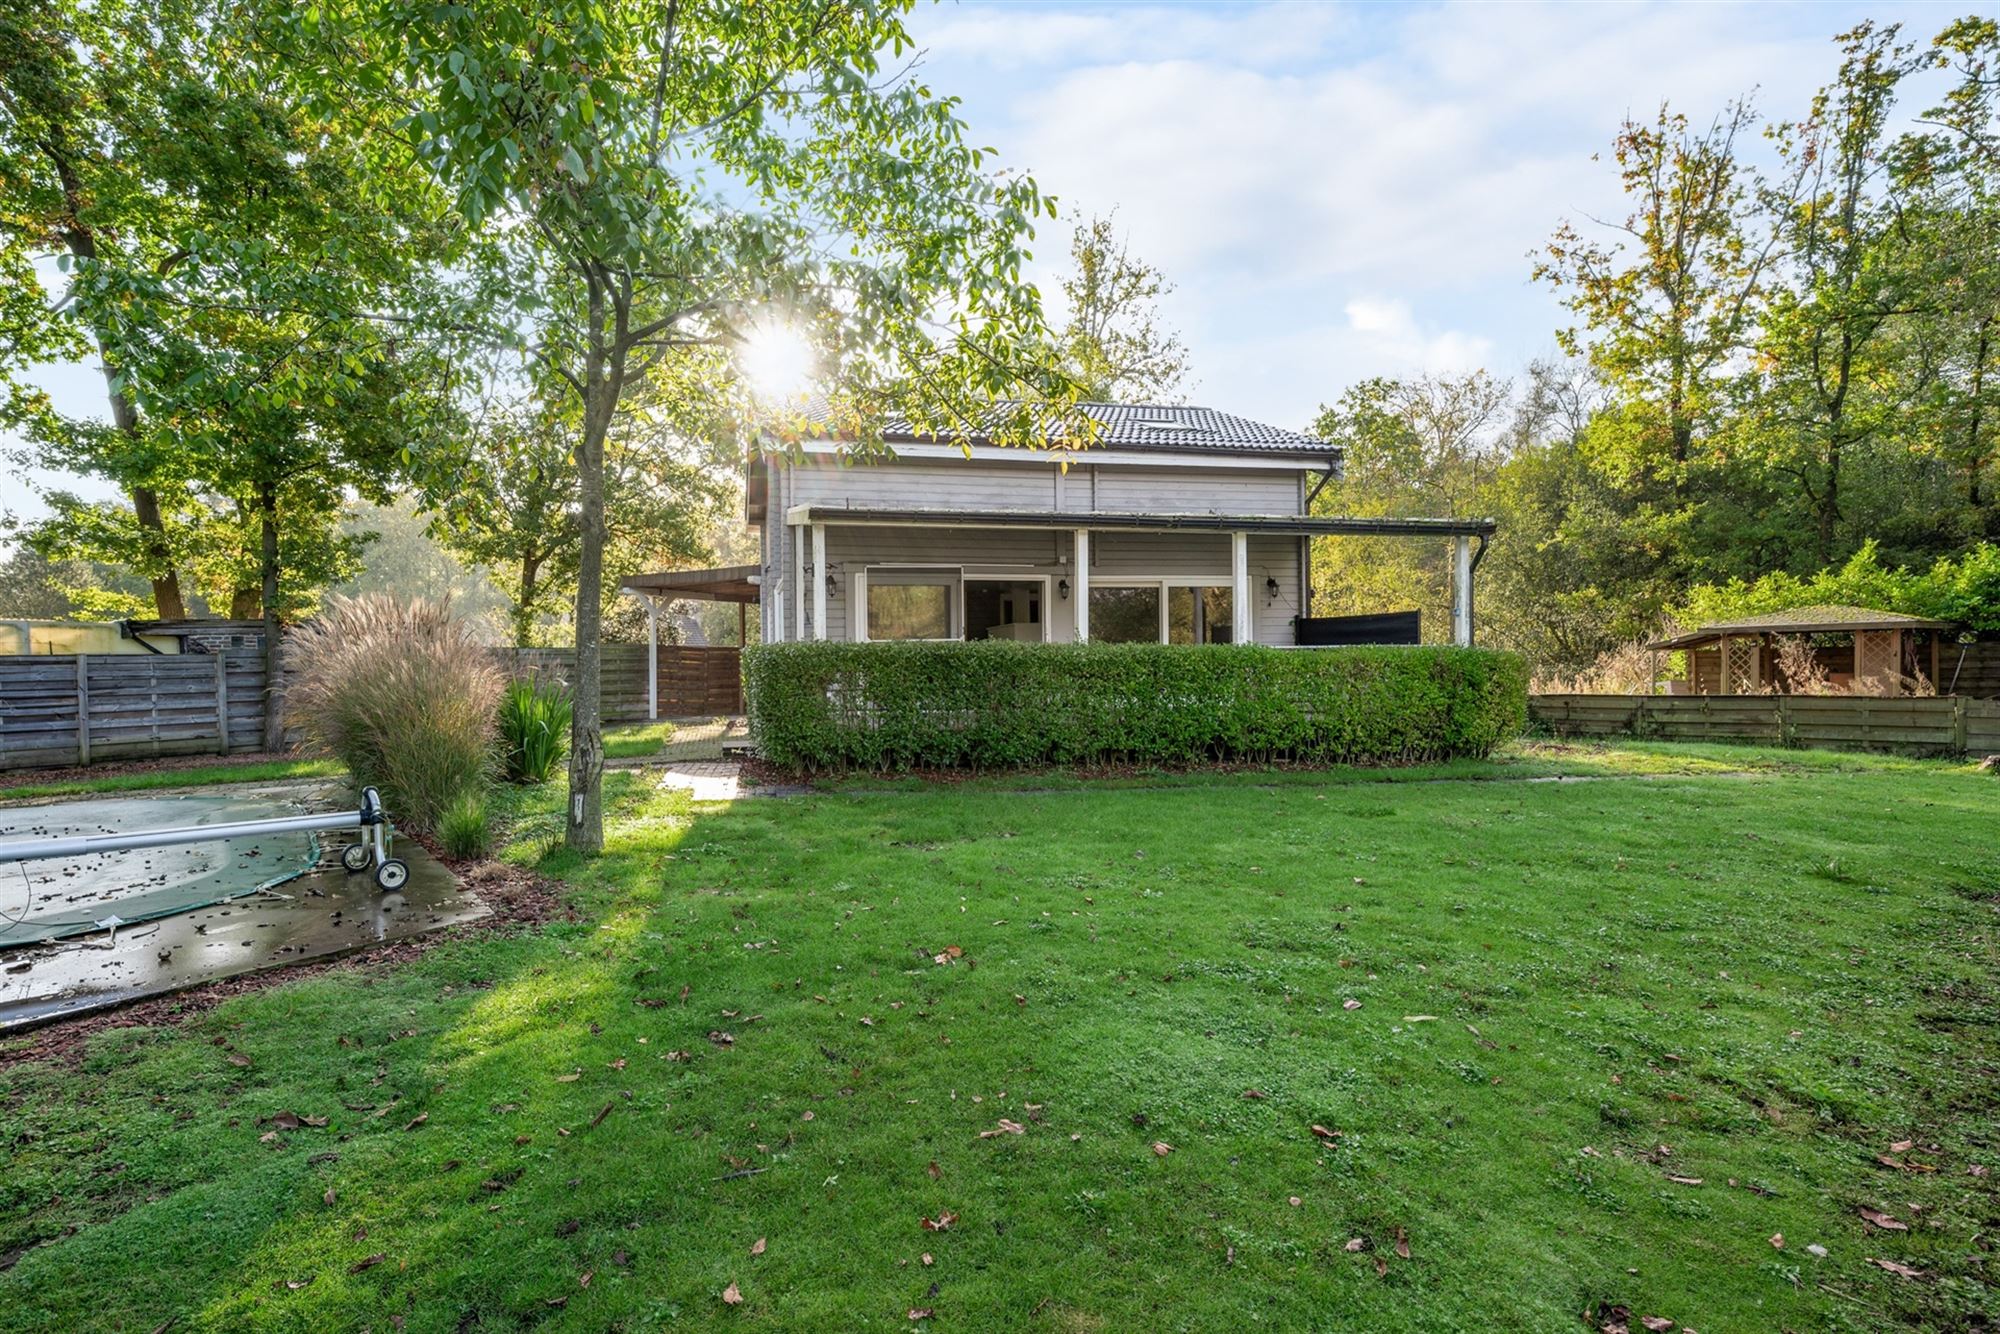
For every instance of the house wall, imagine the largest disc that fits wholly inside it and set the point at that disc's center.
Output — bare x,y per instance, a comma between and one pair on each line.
1030,484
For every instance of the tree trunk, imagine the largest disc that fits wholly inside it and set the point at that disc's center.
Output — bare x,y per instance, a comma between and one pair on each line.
524,602
602,383
274,681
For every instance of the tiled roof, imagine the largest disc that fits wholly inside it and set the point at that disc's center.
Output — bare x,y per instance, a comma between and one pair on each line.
1167,428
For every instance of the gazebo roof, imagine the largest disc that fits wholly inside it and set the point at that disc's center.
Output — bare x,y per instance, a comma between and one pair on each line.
1821,618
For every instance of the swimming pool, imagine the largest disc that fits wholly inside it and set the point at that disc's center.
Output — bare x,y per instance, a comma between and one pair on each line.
48,900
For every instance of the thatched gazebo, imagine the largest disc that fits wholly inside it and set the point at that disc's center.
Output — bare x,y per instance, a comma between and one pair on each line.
1883,650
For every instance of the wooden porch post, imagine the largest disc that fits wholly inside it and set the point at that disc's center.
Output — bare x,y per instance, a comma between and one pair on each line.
819,580
1082,585
652,657
1461,591
1239,589
742,624
1722,675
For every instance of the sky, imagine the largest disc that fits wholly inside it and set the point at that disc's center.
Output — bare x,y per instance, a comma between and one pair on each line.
1337,191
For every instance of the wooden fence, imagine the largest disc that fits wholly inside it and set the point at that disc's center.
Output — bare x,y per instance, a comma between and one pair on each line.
82,708
1952,725
694,681
79,708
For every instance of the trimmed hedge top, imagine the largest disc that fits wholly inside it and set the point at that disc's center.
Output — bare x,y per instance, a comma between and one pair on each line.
995,704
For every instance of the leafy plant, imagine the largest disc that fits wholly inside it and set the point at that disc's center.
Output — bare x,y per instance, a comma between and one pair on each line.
534,728
895,705
403,694
465,829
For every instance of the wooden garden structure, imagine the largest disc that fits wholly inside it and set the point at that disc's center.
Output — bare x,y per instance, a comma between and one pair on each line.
1885,651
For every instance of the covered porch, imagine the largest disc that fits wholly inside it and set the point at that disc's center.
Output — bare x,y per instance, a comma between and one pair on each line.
1061,576
695,680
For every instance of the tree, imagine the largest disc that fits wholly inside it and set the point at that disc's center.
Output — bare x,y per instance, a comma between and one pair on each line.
81,119
653,177
513,508
1666,309
1824,391
1423,446
1113,344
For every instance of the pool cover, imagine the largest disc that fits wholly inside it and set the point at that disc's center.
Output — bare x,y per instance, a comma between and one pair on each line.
68,896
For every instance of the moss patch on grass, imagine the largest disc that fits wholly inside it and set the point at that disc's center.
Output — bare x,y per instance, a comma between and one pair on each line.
1609,1040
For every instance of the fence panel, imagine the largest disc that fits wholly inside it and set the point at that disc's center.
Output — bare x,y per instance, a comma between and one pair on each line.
1935,725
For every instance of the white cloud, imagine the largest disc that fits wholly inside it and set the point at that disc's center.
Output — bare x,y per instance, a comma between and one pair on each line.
1287,165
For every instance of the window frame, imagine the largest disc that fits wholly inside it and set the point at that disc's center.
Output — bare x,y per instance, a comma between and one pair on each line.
1162,583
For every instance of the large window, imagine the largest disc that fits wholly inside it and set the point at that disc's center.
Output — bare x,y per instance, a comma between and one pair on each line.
909,611
1198,615
1121,614
1160,613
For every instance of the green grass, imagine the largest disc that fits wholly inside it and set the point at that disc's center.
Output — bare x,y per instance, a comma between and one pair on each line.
636,741
1759,969
203,775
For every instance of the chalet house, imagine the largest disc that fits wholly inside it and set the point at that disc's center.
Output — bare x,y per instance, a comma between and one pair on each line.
1177,525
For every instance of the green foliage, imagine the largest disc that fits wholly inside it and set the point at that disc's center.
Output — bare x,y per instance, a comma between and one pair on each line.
534,728
465,829
1113,344
885,706
401,693
1965,589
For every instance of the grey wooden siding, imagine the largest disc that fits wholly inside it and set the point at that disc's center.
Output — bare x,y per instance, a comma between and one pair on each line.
1034,485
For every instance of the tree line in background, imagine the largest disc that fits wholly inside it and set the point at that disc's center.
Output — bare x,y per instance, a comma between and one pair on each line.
1781,384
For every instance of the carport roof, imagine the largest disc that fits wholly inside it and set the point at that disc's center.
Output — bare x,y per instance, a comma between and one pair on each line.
727,583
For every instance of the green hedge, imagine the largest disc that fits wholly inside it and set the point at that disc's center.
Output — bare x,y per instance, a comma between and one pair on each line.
993,704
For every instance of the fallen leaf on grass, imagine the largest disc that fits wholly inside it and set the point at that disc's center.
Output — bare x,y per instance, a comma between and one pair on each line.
1902,1146
1884,1221
1356,1244
1350,1004
570,1078
602,1113
927,1259
942,1223
583,1279
934,1170
1005,1127
292,1120
920,1313
1777,1241
1325,1134
1683,1181
1659,1324
758,1249
1899,1270
1162,1148
731,1296
269,1137
1402,1243
1420,1018
329,1197
369,1263
1295,1201
417,1120
721,1039
238,1058
1253,1095
294,1284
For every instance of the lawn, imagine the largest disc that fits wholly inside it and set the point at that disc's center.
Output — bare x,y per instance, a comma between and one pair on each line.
1195,1054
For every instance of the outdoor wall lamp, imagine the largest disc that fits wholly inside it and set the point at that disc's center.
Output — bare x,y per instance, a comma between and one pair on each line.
832,582
1271,587
1062,589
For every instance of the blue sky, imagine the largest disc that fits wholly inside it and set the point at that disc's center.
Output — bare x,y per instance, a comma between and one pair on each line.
1337,190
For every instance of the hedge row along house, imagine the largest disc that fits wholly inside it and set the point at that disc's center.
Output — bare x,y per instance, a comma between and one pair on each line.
1176,525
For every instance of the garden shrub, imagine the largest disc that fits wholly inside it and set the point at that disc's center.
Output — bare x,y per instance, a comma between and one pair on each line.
465,829
534,728
403,694
992,704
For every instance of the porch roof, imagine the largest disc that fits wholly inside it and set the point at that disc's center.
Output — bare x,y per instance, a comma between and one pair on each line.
1283,524
727,583
1823,618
